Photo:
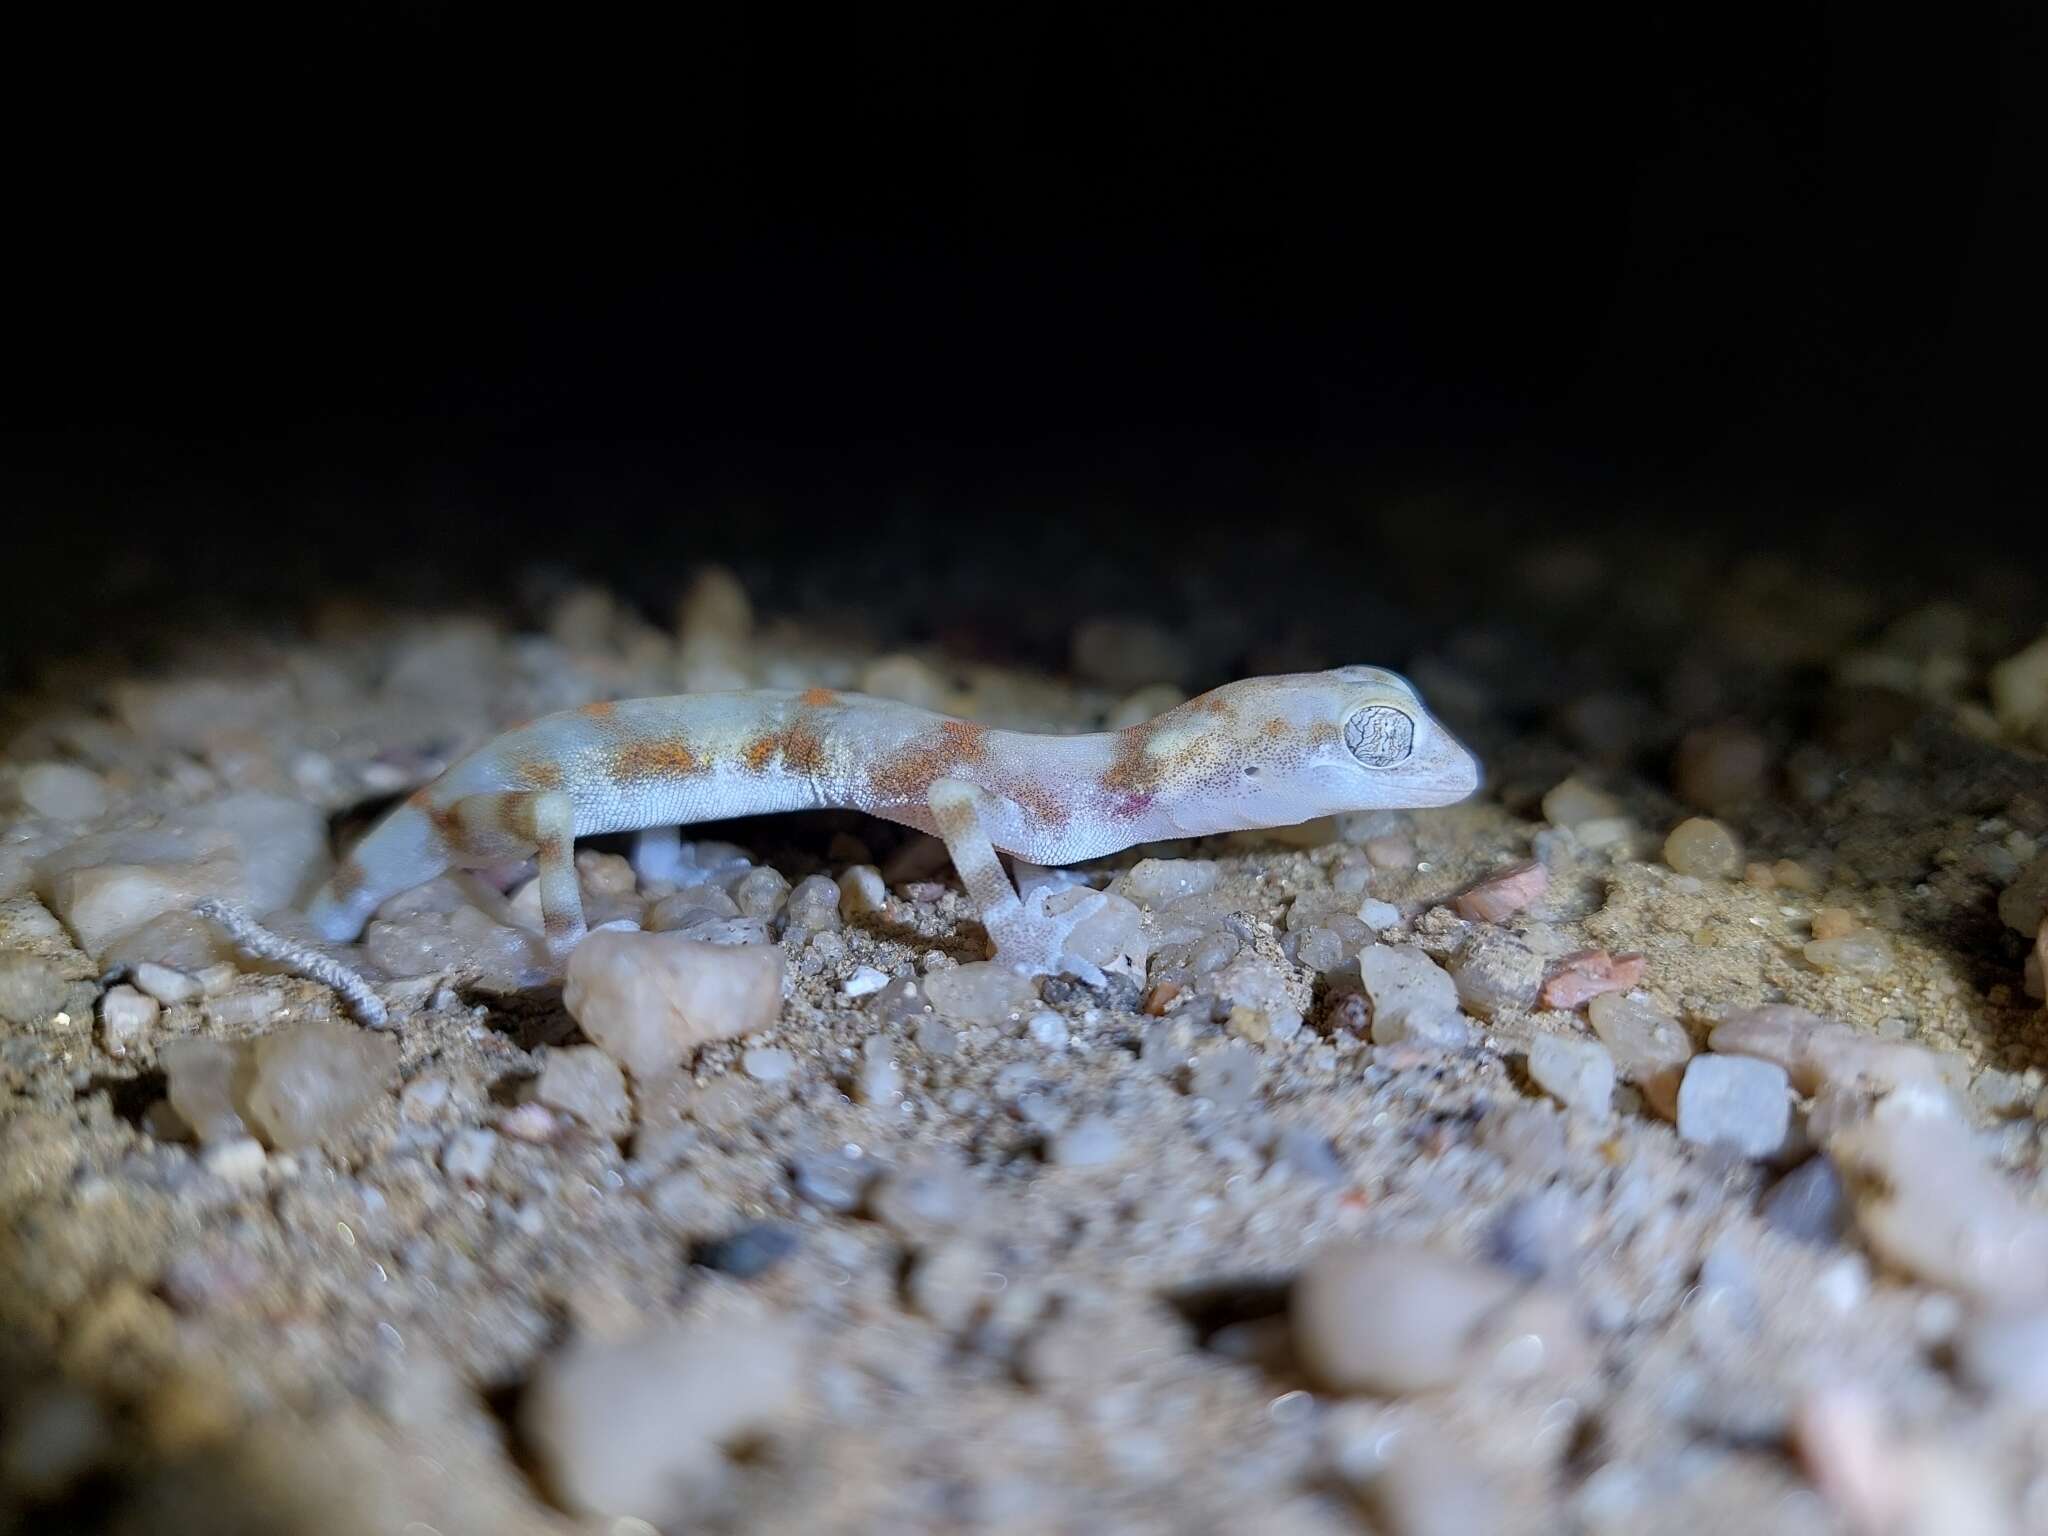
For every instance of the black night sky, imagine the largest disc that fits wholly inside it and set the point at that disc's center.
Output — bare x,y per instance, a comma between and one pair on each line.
432,291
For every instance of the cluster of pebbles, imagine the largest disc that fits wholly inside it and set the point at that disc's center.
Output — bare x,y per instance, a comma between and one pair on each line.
1654,1142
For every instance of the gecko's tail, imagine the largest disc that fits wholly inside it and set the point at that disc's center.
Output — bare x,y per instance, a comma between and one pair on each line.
403,850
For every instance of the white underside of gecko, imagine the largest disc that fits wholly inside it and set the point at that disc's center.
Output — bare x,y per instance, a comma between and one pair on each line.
1265,752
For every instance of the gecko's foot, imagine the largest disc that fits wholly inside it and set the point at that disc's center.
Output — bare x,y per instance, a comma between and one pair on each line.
1032,940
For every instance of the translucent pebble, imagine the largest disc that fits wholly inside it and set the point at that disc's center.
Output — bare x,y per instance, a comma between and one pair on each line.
649,1000
1413,998
981,992
1379,915
1225,1074
1501,896
1929,1203
2005,1353
1391,1319
637,1427
1048,1030
1155,882
1587,974
1213,952
1650,1048
814,904
1320,950
199,1076
1698,846
1579,1074
865,980
1808,1204
1391,852
760,892
62,791
923,1200
1085,1143
177,940
1574,801
2019,689
418,945
832,1181
1495,973
1833,922
127,1018
1737,1102
585,1083
767,1064
861,890
466,1156
604,874
1111,937
879,1081
1865,952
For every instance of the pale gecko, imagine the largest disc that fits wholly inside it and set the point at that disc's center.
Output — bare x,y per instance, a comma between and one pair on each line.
1264,752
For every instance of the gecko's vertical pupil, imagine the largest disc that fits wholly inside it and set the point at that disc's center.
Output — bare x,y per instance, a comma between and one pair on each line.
1380,736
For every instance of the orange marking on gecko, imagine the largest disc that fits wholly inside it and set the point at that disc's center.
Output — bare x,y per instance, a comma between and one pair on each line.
349,878
817,698
602,709
537,773
909,773
661,758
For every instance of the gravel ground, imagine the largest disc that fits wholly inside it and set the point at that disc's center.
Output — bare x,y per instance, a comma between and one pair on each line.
1263,1239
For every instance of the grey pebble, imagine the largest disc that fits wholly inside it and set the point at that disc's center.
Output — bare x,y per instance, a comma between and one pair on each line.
750,1251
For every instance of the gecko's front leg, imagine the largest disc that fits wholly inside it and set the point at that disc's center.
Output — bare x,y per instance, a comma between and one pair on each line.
1028,938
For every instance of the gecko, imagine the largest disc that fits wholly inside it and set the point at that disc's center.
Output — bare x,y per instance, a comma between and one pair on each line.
1262,752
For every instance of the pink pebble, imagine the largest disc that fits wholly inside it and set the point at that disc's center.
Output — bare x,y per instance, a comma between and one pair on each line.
1581,977
1501,896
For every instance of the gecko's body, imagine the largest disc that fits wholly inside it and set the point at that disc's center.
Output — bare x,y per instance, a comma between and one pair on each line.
1265,752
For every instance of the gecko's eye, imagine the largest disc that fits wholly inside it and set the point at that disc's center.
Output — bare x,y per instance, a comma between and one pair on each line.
1380,736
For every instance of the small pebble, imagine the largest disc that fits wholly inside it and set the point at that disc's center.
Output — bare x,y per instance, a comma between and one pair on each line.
767,1064
878,1081
239,1160
832,1181
924,1200
1391,1319
1085,1143
864,981
167,986
1737,1102
981,992
814,904
750,1251
467,1155
1574,802
1864,952
636,1427
1501,896
127,1018
1048,1030
1834,922
1808,1204
649,1000
2005,1353
583,1082
1413,998
63,792
1579,1074
1705,848
1581,977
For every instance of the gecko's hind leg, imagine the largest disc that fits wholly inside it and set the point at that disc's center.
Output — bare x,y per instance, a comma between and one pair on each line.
514,823
1027,937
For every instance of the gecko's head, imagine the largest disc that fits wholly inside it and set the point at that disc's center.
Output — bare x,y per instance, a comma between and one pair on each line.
1396,751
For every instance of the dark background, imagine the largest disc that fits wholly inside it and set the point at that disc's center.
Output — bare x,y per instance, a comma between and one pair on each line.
1003,298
